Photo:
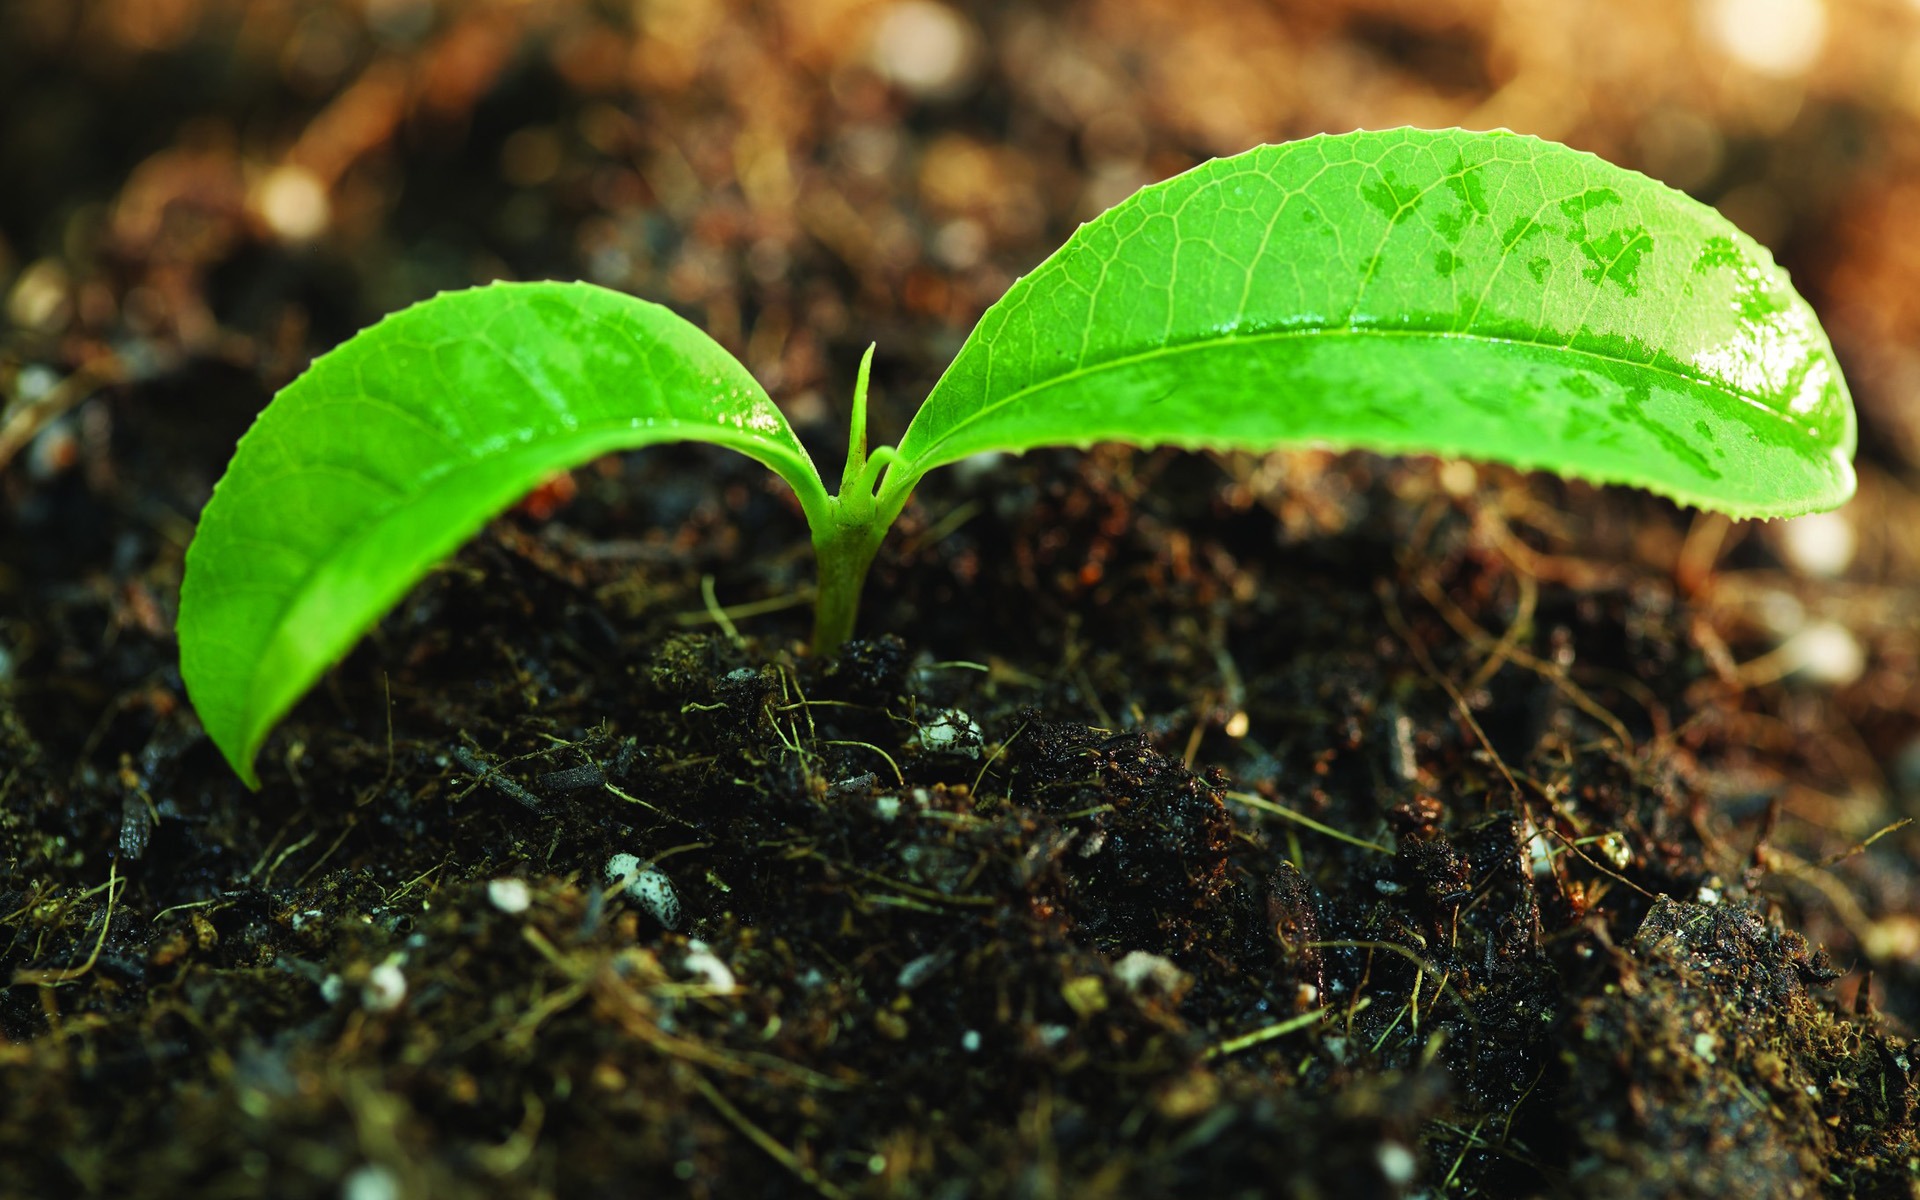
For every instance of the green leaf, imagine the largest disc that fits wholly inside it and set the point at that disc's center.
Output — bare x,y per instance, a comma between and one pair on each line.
1481,295
396,447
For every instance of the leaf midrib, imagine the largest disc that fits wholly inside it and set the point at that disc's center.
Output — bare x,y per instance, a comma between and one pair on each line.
1168,351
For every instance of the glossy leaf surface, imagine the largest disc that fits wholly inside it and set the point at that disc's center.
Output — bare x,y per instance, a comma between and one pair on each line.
1481,295
396,447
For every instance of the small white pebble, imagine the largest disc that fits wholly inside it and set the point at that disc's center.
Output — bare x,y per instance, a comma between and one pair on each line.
951,732
386,984
1459,478
1397,1163
919,971
1820,544
1704,1044
293,202
35,381
926,48
974,468
332,988
511,896
1139,970
710,967
886,807
42,296
1708,895
649,885
1773,37
1826,652
960,245
370,1182
970,1042
1539,851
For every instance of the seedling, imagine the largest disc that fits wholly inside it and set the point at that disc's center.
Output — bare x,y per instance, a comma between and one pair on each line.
1483,295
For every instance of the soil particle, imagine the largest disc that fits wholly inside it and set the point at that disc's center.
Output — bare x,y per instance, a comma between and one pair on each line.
1705,1036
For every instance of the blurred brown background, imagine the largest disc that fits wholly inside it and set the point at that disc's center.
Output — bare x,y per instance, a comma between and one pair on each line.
253,180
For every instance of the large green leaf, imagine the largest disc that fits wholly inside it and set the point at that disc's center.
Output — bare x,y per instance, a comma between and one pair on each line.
1482,295
399,445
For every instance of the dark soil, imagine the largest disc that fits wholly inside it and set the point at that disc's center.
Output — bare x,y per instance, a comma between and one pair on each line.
1305,825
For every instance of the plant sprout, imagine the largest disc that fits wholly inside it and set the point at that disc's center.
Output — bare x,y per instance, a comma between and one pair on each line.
1482,295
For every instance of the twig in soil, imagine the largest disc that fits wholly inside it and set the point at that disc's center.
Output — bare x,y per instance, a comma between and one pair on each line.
1193,742
64,976
509,1156
1281,810
169,911
1705,542
353,822
1424,966
394,897
1506,648
1509,642
1579,573
898,777
261,862
1588,859
1390,604
281,858
633,1013
765,1140
653,807
719,615
752,608
1785,865
994,758
805,705
1235,1045
573,779
386,776
22,421
1861,847
687,847
494,778
942,529
914,890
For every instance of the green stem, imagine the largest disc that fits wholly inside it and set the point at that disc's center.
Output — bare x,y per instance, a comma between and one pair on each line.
844,553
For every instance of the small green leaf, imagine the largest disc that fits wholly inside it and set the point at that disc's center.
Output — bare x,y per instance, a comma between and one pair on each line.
1483,295
397,447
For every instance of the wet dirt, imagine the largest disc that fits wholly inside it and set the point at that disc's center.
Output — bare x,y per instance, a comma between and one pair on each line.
1183,824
